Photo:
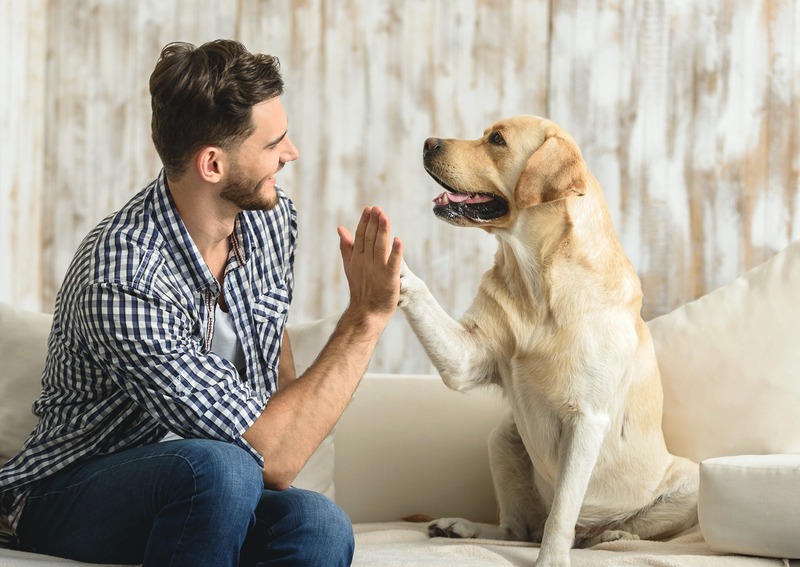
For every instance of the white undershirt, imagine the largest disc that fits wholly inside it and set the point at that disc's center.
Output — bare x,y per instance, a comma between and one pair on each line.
224,344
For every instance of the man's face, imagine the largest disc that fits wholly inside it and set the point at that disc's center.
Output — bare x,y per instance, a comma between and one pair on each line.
253,166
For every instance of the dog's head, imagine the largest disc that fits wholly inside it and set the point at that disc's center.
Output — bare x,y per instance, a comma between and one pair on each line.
518,163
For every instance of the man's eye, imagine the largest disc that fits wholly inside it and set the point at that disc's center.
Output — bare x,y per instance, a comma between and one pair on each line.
497,139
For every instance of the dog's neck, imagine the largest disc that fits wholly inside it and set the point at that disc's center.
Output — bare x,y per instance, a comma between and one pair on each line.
525,254
552,234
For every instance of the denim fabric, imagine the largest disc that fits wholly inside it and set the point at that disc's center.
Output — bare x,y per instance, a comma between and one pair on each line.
190,503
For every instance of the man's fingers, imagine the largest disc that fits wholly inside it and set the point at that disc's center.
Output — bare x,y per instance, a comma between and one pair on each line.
371,234
373,237
395,262
361,229
383,237
345,244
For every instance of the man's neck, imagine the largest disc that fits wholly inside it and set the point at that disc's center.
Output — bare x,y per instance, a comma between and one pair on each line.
208,219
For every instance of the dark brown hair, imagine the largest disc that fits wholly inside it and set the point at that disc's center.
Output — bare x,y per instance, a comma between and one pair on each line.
204,96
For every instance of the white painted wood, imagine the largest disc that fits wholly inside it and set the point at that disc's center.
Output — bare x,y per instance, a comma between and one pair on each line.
22,103
687,112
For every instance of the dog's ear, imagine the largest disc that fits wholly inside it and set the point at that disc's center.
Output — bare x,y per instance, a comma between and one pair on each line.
554,171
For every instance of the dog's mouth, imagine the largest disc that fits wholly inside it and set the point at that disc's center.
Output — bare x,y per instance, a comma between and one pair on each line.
453,205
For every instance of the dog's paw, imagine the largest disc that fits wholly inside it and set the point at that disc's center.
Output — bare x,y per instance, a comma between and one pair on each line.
453,527
409,284
612,535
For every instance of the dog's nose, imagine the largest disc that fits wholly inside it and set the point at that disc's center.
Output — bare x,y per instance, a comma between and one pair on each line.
432,147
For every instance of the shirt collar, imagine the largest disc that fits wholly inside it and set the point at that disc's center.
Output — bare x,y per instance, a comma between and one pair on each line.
240,243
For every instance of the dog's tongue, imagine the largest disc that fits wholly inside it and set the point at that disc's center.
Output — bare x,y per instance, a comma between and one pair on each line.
447,197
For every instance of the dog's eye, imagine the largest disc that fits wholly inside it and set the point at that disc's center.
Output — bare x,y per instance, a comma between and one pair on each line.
497,139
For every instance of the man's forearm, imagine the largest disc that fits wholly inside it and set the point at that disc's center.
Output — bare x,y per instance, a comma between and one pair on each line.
300,415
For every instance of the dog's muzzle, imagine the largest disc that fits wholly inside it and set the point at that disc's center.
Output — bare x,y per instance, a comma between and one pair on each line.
454,205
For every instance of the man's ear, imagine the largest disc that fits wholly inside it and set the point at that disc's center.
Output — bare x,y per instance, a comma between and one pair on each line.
554,171
209,162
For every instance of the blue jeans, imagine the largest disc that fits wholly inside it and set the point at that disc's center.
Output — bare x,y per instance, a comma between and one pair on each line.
191,503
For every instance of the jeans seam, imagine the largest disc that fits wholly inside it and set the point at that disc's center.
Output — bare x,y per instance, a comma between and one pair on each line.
191,508
269,532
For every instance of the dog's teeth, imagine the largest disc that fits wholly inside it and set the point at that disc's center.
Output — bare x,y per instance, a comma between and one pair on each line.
442,200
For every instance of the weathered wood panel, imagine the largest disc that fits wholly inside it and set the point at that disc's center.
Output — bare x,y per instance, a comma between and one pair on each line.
98,151
367,83
689,115
687,112
22,102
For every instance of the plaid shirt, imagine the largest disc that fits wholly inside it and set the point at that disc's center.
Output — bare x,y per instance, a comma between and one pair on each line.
129,355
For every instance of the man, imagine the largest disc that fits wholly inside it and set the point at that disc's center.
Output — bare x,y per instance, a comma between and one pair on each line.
170,327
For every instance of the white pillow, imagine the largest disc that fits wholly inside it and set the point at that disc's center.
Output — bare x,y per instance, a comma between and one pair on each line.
748,504
23,348
307,340
730,365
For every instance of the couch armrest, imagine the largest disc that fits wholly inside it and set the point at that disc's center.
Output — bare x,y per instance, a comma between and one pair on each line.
23,349
409,445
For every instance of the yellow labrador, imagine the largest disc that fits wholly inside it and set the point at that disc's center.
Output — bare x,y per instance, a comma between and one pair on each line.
556,323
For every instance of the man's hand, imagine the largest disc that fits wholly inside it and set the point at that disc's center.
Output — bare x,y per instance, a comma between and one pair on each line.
300,414
372,265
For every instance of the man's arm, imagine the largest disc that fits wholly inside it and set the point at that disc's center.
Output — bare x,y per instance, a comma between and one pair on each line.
300,415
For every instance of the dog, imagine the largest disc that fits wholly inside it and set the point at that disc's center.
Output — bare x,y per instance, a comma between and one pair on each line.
581,457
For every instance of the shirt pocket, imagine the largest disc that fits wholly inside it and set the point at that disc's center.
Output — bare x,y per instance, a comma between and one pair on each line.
270,311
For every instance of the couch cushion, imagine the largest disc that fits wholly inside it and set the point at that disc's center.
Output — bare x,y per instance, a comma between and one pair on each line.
23,346
730,365
748,504
410,445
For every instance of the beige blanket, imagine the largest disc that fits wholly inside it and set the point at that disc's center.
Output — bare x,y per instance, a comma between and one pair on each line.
403,544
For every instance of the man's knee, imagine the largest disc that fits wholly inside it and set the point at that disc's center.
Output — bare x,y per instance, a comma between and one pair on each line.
334,527
324,512
317,528
217,472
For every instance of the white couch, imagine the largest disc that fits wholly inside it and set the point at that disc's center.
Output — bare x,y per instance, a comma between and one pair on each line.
407,445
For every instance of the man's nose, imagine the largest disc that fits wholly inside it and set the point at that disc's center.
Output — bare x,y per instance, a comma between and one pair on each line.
291,152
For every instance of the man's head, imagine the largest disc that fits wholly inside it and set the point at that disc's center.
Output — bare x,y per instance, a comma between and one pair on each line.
204,96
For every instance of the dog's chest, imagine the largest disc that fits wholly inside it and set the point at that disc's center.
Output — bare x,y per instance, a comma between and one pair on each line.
540,430
547,384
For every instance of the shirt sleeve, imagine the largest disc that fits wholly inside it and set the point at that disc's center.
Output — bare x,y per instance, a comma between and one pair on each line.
148,348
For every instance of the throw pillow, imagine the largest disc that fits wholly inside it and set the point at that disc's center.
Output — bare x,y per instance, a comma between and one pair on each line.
307,340
730,365
23,347
748,504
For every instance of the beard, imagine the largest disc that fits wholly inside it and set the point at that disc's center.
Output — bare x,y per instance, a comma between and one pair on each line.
247,192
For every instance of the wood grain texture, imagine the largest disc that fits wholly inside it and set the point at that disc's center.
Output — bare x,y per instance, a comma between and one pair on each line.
687,112
22,103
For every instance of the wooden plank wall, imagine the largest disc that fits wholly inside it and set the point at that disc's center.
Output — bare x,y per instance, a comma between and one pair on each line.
687,112
22,103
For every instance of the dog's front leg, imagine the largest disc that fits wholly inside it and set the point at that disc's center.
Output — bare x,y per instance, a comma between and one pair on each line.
579,447
458,354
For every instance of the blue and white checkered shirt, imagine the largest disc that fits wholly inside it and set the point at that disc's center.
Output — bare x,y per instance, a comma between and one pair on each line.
129,355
